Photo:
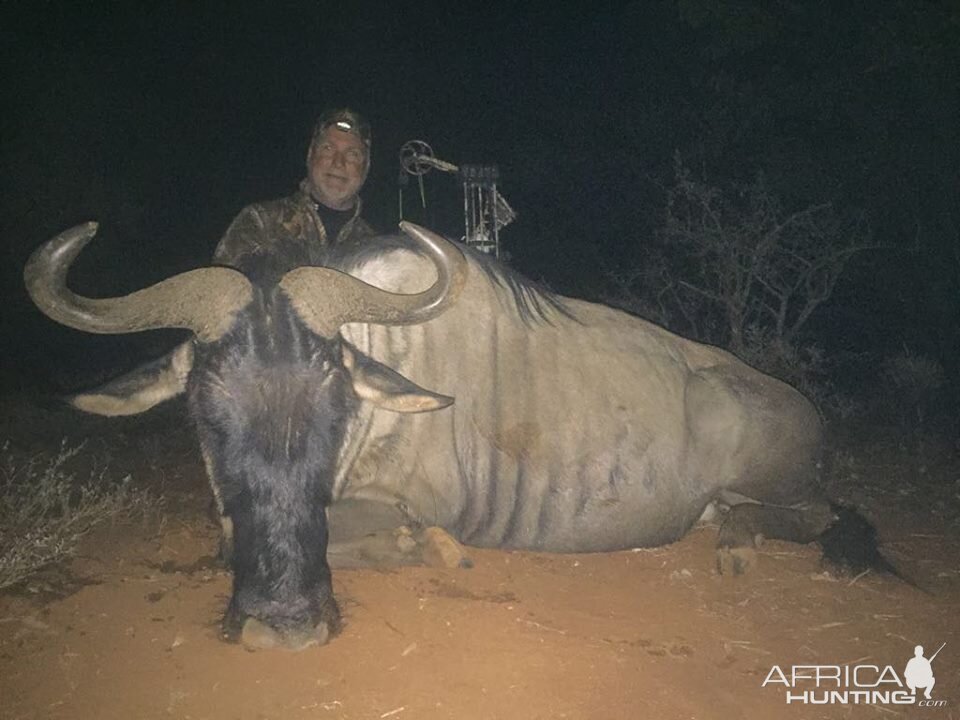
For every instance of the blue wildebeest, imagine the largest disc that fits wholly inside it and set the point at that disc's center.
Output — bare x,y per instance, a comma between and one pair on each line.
576,427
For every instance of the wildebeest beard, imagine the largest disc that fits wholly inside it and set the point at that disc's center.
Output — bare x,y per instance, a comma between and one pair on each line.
270,402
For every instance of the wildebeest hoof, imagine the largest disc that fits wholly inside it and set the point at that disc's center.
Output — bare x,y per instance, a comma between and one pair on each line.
257,635
736,560
405,540
441,549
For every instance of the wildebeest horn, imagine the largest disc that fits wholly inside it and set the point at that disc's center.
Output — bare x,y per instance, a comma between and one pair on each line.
203,300
325,298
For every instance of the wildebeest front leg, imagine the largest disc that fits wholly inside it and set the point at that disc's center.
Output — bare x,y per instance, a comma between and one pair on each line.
226,523
748,524
365,533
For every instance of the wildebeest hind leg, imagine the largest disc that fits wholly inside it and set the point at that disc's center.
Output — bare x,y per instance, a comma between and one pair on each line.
748,524
365,533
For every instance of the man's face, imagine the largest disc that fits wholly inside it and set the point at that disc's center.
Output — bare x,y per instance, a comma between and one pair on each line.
336,167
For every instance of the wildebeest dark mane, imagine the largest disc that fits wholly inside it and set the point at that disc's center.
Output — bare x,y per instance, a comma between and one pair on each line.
534,303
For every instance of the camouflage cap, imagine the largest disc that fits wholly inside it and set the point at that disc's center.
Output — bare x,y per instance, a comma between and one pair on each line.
343,119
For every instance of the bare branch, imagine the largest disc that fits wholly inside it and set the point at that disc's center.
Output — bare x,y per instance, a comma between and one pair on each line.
733,256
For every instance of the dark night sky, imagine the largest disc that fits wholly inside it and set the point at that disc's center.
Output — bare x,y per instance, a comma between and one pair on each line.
163,121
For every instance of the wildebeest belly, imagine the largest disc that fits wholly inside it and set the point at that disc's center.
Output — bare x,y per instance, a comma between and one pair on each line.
593,502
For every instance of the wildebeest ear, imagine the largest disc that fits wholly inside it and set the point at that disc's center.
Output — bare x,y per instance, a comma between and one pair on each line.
140,389
387,388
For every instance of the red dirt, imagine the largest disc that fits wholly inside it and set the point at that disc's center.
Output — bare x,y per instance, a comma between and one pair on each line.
643,634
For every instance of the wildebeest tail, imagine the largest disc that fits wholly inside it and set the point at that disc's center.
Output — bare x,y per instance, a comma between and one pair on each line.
850,546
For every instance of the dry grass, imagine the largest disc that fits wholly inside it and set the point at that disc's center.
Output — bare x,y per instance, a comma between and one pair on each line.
45,510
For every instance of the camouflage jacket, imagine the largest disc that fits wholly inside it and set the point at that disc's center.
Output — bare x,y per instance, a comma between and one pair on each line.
267,239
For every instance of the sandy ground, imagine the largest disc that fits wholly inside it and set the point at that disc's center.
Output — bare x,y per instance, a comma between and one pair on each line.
129,628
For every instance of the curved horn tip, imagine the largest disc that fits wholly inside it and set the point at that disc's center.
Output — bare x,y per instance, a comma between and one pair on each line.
85,229
64,247
414,230
78,236
424,235
89,228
